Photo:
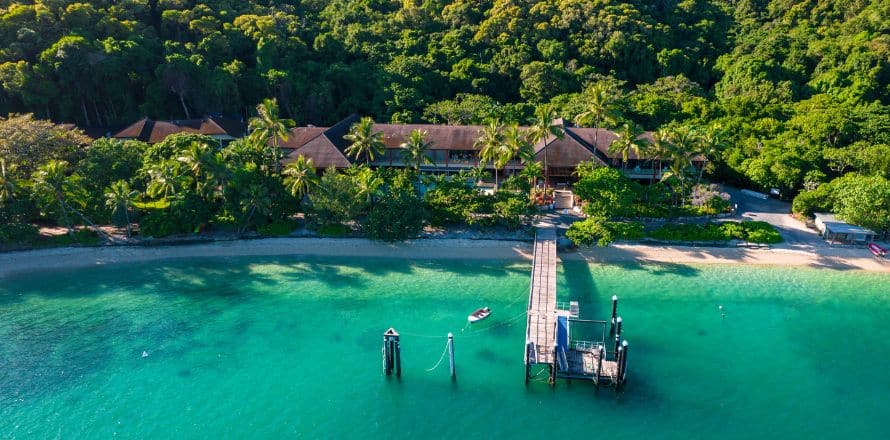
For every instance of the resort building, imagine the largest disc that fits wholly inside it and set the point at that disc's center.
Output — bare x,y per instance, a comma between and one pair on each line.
453,149
832,229
150,131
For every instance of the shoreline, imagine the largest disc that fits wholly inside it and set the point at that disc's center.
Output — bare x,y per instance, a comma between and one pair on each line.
435,249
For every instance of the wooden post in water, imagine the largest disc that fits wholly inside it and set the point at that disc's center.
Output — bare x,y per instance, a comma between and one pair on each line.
617,335
528,356
451,354
392,352
622,366
614,314
386,363
398,352
553,367
599,365
619,357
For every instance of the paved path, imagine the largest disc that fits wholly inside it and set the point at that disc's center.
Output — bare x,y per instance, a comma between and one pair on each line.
778,214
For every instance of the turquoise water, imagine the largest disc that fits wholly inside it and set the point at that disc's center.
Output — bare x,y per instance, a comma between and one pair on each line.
273,347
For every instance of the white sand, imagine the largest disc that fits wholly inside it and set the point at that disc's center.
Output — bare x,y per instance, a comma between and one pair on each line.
816,257
834,258
74,257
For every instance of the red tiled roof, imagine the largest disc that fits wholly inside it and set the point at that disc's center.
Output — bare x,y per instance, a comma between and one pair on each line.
151,131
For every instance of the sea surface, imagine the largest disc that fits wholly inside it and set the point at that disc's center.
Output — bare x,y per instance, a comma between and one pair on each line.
281,347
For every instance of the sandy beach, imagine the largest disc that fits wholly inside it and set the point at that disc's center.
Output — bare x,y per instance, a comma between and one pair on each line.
73,257
822,257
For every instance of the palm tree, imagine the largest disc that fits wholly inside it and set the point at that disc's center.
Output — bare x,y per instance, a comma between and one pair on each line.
542,128
491,144
300,176
627,140
711,142
268,126
198,160
365,142
516,145
685,144
532,171
414,150
254,199
119,197
50,182
164,179
367,182
218,174
7,185
601,109
659,148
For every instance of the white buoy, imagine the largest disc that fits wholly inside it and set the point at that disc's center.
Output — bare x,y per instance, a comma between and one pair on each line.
145,354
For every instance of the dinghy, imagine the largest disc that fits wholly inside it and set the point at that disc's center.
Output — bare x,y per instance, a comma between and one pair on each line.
479,315
877,250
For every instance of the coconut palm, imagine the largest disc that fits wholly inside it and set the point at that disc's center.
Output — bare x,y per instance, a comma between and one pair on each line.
366,181
50,183
516,145
711,143
660,148
491,147
414,150
532,171
543,128
255,199
218,174
684,146
119,197
627,140
267,129
364,141
300,176
198,160
602,109
164,179
7,185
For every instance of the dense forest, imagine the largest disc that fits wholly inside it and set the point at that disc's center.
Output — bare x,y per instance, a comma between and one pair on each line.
797,90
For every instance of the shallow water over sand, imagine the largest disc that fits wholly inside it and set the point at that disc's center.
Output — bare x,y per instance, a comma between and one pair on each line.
265,347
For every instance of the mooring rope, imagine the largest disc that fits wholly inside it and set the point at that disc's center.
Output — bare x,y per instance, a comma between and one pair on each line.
440,358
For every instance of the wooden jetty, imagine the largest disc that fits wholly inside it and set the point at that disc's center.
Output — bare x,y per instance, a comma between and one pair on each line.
549,343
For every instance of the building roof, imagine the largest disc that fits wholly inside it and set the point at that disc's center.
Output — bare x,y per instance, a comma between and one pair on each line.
833,225
443,137
577,145
151,131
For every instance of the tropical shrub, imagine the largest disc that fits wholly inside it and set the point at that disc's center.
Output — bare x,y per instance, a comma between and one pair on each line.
277,228
18,233
334,201
399,213
690,232
606,192
597,230
453,201
511,209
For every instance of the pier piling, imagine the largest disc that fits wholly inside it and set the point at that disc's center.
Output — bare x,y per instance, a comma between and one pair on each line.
614,314
392,353
451,354
617,334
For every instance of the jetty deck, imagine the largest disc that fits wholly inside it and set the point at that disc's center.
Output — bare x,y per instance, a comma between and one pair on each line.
541,321
548,339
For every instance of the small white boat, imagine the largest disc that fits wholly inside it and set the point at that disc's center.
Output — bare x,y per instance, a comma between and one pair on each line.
479,315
